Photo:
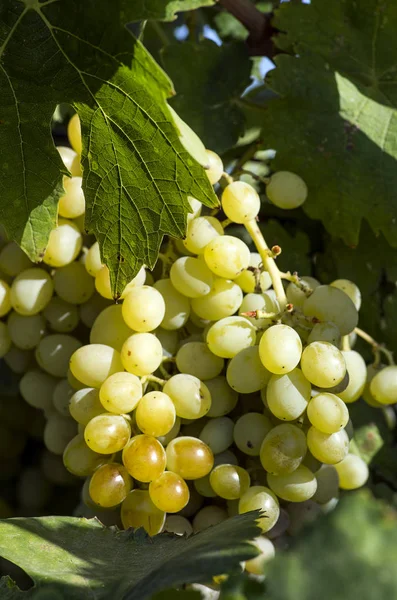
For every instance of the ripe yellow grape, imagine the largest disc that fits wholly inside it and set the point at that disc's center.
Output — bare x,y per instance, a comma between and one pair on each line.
73,284
323,364
328,413
64,244
93,363
178,525
383,386
229,481
227,256
31,291
120,393
222,301
245,372
195,358
79,459
74,133
191,277
283,449
352,471
257,565
351,289
138,510
215,167
177,306
229,336
191,397
249,432
287,395
286,190
280,349
93,262
109,328
262,498
223,398
142,354
329,448
240,202
5,298
189,457
169,492
155,414
200,232
328,303
54,352
84,405
72,204
143,308
144,458
109,485
70,159
103,287
107,433
357,370
298,486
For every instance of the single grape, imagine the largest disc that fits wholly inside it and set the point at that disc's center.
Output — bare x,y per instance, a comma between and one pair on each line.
323,364
93,363
230,481
73,284
93,262
218,434
245,372
200,232
215,167
64,244
13,260
195,358
58,432
280,349
222,301
228,336
72,204
120,393
329,448
328,303
240,202
296,295
177,306
144,458
143,309
227,256
109,328
249,432
283,449
352,471
191,277
74,133
155,414
327,413
178,525
109,485
25,331
191,397
351,289
325,332
107,433
189,457
84,405
142,354
327,484
169,492
79,459
61,316
223,398
138,510
357,371
37,388
261,498
70,159
287,395
267,551
383,386
31,291
54,352
19,361
286,190
62,395
298,486
104,288
208,517
196,208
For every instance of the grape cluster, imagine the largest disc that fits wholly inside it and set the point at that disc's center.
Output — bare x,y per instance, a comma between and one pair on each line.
210,389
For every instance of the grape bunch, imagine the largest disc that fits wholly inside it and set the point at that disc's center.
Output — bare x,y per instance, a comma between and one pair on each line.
216,385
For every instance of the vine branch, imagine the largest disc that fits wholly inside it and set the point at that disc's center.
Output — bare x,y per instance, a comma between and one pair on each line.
257,23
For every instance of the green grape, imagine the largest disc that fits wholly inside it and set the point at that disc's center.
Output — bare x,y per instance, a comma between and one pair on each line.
143,309
329,448
383,386
287,395
53,353
298,486
240,202
280,349
84,405
5,298
63,392
178,525
37,388
93,363
357,371
325,332
155,414
74,133
31,291
120,393
169,492
327,484
218,434
144,458
367,396
64,244
72,204
208,517
71,160
229,481
13,260
177,306
223,398
109,485
350,289
283,449
61,316
73,284
286,190
142,354
267,551
222,301
171,435
138,510
107,433
200,232
253,302
229,336
215,167
93,262
259,497
104,288
352,471
246,280
169,341
191,277
191,397
227,256
196,359
203,487
58,432
249,432
5,339
19,361
328,303
189,457
245,372
91,309
327,413
297,296
323,364
109,328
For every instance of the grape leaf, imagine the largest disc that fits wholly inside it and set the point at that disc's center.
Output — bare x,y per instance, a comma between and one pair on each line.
335,121
161,10
83,559
350,553
137,175
207,88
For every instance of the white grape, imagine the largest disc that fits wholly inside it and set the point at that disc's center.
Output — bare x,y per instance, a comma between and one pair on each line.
141,354
13,260
329,303
94,363
73,284
177,306
64,244
228,336
197,359
143,309
70,159
297,296
93,262
215,167
31,291
222,301
287,395
245,372
351,289
323,364
280,349
357,371
5,298
53,353
26,331
191,277
246,280
240,202
109,328
200,232
286,190
227,256
61,316
72,204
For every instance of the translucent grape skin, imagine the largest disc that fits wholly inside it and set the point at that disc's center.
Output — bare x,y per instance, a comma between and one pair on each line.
287,395
215,167
328,448
31,291
79,459
200,232
286,190
191,277
169,492
383,386
218,434
229,336
222,301
142,354
223,398
208,517
351,289
189,457
177,306
144,458
84,405
357,370
262,498
283,449
227,256
109,328
191,397
155,414
120,393
298,486
280,349
250,431
257,565
327,413
327,484
143,309
195,358
240,202
328,303
353,472
245,372
323,364
230,481
107,433
94,363
138,510
109,485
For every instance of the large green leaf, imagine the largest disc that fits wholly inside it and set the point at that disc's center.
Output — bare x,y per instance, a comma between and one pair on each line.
83,559
162,10
335,121
208,80
137,174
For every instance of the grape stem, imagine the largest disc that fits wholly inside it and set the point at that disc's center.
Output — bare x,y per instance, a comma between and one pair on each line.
268,262
377,348
153,379
346,343
294,278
